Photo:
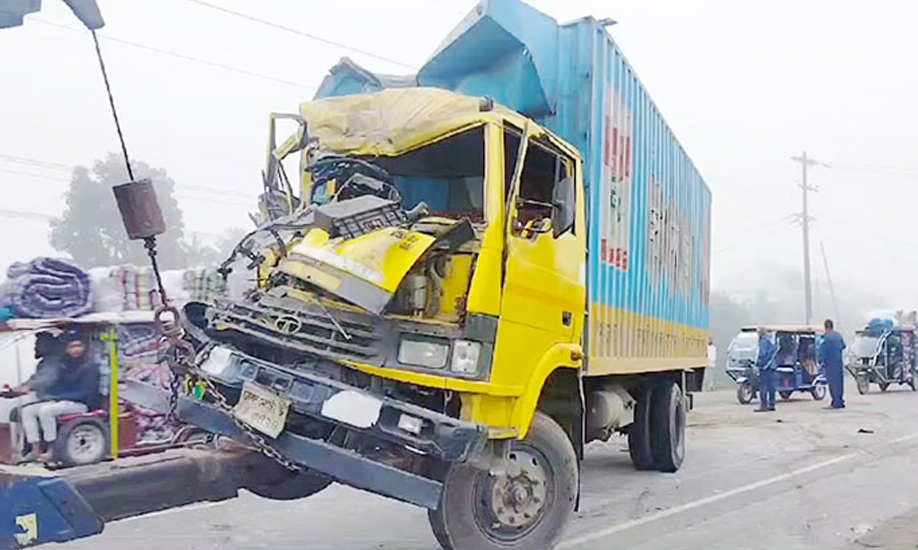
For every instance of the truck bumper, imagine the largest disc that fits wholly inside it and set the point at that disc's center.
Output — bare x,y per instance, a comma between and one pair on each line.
441,437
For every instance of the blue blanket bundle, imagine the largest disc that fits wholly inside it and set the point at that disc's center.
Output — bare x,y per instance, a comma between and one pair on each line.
46,288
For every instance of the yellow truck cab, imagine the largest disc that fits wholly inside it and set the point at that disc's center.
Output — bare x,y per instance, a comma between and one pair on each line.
449,300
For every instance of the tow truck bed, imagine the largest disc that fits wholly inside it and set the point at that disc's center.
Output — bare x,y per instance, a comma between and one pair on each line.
39,506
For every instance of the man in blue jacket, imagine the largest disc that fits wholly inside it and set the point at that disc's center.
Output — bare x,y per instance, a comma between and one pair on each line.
766,364
830,356
68,385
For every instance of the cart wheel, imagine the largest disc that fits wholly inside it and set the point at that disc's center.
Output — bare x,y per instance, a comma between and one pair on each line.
818,392
744,394
785,395
863,385
81,442
884,386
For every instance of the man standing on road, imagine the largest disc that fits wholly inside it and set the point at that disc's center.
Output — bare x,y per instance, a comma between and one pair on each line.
830,356
766,364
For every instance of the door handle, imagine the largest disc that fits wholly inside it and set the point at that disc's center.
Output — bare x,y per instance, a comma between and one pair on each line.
566,318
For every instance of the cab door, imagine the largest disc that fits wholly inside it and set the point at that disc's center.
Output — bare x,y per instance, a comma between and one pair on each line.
543,299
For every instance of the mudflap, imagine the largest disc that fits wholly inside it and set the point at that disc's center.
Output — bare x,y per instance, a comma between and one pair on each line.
37,509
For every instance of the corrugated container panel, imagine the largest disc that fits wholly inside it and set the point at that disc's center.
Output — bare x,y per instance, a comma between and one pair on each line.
649,213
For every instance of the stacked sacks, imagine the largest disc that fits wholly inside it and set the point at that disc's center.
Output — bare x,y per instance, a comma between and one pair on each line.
45,288
131,288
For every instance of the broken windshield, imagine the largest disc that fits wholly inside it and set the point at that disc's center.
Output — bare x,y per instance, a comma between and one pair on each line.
447,176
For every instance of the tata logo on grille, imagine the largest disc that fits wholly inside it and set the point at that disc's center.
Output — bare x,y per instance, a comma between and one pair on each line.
287,324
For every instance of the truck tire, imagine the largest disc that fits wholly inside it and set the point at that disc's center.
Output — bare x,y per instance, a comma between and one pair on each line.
80,442
525,509
639,446
290,485
667,427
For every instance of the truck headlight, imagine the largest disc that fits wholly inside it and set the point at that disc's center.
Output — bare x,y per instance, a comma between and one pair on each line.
465,357
423,353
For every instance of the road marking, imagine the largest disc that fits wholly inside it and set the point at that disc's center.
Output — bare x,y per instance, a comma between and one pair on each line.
903,438
189,508
577,541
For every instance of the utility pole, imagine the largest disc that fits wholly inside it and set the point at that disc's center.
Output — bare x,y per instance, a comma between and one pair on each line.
825,262
805,219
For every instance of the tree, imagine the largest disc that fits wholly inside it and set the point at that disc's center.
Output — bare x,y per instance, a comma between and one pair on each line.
200,253
90,229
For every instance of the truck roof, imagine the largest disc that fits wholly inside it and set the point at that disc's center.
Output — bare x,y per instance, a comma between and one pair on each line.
395,120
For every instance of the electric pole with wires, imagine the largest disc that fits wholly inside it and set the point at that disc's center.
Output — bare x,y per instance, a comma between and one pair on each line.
804,219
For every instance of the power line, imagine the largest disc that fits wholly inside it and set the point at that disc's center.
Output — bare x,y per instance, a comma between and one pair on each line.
33,162
58,166
31,175
182,56
177,196
297,32
37,216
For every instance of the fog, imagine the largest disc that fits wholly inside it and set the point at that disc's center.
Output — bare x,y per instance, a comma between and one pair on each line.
744,85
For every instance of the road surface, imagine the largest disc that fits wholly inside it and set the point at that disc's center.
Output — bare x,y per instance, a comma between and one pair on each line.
801,478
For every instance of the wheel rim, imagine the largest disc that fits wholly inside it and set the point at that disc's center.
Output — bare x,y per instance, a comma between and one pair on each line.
819,392
86,444
511,505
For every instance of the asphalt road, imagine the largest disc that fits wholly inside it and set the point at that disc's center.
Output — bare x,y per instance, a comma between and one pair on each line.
801,478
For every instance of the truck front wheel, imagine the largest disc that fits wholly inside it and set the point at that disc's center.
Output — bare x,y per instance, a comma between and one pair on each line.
667,422
525,507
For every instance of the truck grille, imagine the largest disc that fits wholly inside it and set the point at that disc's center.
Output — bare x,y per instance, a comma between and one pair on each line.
304,327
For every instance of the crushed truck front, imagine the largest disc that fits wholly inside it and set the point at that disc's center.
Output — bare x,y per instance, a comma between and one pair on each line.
416,294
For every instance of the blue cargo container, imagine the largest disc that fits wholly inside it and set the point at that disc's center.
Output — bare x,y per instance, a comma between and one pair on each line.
650,210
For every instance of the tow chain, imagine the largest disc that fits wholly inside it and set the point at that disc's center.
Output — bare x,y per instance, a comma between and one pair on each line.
180,355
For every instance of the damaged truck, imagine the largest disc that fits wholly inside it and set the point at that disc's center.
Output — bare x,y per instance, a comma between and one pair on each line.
459,279
469,274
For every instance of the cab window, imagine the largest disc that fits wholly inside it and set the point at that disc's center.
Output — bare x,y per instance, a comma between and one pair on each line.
546,185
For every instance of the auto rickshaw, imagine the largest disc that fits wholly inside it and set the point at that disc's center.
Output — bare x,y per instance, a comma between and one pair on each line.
883,357
796,366
126,347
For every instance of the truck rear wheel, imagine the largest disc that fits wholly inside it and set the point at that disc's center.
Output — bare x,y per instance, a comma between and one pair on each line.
523,508
639,446
667,423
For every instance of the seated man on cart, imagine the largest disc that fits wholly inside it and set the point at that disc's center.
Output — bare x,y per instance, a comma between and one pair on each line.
66,384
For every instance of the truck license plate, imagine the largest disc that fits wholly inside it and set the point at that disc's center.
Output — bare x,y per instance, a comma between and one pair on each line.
262,409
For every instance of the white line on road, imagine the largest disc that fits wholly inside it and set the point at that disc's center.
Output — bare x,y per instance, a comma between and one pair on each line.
577,541
167,511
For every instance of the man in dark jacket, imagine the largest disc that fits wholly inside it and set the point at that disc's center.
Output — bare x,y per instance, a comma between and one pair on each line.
69,385
766,364
830,356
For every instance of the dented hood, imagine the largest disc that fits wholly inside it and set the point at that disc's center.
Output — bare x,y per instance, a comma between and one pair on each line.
365,271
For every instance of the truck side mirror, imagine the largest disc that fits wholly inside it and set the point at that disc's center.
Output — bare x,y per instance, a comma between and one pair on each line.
562,212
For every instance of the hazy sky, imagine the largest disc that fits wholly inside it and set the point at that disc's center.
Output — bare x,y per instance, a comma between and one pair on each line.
744,84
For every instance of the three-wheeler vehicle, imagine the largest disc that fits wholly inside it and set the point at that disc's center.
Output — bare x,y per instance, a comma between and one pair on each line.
796,365
124,346
883,358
